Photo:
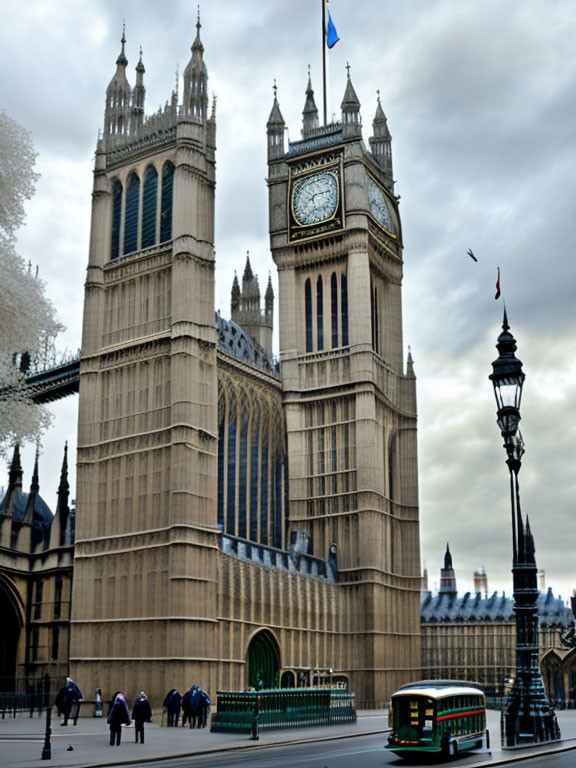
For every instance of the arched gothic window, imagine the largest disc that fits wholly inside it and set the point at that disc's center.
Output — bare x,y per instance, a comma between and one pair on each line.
319,314
334,307
344,309
116,218
131,213
149,198
166,205
308,310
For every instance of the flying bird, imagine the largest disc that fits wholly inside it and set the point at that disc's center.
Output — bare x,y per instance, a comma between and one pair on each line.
469,252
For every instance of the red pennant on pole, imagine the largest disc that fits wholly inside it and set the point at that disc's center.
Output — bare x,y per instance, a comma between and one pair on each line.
498,285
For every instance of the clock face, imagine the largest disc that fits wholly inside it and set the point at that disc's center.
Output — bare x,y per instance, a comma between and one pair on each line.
379,207
315,198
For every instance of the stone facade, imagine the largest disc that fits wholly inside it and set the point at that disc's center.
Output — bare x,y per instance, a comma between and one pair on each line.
237,516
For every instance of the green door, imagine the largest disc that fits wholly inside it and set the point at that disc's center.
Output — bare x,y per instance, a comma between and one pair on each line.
263,661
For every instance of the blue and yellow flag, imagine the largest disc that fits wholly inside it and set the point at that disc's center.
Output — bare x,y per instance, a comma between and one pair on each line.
331,34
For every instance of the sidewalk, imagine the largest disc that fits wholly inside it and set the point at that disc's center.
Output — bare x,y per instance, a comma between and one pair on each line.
22,739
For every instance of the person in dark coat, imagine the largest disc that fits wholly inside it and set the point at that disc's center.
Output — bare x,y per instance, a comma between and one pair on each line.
191,706
68,698
119,716
204,708
141,713
172,704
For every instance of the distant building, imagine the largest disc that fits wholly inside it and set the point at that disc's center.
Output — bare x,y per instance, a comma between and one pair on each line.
473,636
36,561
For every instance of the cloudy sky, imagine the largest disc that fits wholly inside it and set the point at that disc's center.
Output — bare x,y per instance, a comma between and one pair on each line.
481,101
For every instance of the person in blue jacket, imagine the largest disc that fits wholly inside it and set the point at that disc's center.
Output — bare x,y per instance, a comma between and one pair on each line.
141,713
68,698
171,704
119,716
191,706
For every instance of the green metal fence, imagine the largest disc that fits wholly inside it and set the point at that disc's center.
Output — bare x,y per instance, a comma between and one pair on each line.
282,708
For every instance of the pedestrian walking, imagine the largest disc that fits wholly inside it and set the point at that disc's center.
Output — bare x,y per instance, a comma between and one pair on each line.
141,713
119,716
204,708
191,706
68,701
171,704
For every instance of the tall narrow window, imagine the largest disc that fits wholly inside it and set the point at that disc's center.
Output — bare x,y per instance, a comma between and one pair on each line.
344,309
376,322
242,473
319,314
308,302
166,205
334,302
55,638
372,316
116,218
231,501
131,214
58,597
221,457
254,521
38,602
149,197
34,643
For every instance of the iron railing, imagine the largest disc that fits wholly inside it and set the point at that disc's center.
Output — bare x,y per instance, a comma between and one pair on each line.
238,711
27,695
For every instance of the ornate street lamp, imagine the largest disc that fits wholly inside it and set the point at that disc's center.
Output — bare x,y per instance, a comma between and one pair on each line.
527,717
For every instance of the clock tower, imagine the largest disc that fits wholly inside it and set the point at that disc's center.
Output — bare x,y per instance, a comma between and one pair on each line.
350,402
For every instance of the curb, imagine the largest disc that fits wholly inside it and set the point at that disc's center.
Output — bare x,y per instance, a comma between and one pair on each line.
516,758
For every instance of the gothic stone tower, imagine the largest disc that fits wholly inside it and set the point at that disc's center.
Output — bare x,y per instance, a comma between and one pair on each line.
147,435
245,307
350,408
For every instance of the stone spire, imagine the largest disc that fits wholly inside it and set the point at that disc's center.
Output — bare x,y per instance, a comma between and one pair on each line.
351,120
410,365
246,311
34,489
14,481
381,140
275,128
448,559
15,475
310,111
118,97
447,575
269,299
62,508
235,295
195,96
250,288
138,96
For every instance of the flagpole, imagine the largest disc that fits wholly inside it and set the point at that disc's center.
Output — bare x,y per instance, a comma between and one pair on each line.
324,56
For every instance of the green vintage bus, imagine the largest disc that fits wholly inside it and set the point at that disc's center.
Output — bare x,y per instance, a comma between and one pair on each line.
437,716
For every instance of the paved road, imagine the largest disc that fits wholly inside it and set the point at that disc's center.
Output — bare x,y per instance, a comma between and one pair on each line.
566,760
358,752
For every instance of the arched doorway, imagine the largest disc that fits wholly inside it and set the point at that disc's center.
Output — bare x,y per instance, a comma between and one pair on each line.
551,666
11,626
263,661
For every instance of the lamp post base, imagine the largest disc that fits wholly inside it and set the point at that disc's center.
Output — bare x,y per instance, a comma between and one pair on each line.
528,717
